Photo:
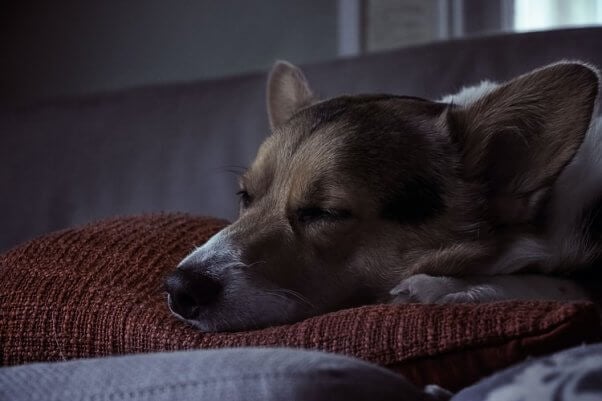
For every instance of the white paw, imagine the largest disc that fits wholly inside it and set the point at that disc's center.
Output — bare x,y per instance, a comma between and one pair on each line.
422,288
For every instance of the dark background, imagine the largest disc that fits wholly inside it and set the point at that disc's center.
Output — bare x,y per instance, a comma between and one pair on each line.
72,47
51,48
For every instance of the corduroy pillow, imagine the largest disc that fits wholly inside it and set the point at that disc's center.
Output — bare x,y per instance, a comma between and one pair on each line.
97,290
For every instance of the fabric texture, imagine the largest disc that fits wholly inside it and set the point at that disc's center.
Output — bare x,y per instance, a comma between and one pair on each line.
250,374
168,148
571,375
97,290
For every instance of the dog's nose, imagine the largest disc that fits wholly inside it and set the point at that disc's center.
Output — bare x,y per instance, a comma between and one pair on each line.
189,291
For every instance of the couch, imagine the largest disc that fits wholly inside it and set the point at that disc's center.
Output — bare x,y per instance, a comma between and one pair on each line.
173,147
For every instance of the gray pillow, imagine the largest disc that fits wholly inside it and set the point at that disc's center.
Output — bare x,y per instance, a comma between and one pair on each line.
222,375
571,375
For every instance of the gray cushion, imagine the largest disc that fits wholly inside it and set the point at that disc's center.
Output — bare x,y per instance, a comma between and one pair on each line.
226,375
572,375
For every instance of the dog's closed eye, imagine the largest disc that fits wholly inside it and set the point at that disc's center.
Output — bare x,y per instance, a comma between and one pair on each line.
308,215
245,198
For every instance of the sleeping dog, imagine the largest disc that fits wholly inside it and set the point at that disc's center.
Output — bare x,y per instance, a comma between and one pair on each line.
494,193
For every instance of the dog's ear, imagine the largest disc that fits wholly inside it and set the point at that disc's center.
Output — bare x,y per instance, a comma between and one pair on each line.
287,92
519,137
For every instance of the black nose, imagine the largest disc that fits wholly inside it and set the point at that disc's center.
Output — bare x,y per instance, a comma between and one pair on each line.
189,291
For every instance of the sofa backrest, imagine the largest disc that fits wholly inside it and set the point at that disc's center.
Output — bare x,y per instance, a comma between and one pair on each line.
170,148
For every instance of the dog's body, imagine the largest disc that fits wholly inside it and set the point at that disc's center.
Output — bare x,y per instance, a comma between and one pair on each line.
569,241
380,198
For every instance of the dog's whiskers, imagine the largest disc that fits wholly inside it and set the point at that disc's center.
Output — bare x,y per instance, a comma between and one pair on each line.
247,266
286,293
236,170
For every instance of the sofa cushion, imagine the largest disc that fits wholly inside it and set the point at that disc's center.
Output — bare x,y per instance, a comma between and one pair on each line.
97,290
570,375
250,374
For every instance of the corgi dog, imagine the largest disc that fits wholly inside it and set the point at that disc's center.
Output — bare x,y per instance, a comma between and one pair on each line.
494,193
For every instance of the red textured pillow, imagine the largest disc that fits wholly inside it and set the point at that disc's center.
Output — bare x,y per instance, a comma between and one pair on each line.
97,290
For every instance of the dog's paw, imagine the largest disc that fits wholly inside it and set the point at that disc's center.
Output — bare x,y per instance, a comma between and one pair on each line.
422,288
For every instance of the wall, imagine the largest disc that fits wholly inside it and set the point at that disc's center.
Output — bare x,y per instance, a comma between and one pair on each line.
66,47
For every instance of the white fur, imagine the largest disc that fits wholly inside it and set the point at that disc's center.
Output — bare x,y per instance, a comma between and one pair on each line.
218,247
523,252
563,245
440,289
470,94
576,189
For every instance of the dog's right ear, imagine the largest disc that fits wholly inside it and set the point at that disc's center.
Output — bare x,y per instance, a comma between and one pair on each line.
287,93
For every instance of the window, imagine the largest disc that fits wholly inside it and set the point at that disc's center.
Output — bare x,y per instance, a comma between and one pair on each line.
546,14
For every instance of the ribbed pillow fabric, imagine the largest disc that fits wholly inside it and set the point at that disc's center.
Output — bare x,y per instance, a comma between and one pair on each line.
97,290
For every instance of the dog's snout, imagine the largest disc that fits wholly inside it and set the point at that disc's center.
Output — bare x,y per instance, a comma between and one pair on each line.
190,291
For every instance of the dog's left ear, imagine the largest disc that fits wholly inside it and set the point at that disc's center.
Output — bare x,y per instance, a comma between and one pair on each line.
519,137
287,92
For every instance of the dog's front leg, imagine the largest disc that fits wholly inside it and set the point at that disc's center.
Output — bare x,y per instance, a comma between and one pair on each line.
422,288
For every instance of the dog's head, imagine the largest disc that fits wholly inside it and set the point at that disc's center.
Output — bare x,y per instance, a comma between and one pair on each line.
350,195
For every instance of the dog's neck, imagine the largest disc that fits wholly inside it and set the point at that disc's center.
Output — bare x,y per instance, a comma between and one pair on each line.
575,203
